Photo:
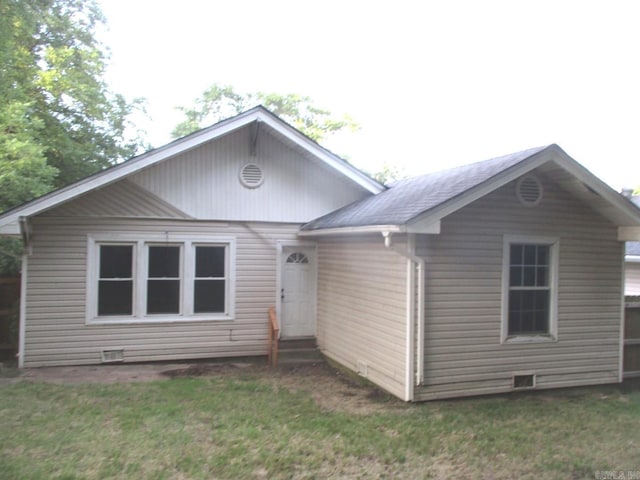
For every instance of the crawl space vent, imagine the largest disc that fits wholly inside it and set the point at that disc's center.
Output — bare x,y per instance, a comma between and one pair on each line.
251,175
524,381
112,355
529,191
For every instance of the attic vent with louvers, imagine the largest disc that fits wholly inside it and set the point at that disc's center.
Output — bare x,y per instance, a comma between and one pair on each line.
251,175
529,191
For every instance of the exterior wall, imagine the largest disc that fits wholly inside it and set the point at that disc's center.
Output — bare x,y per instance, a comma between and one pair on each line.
632,278
463,350
122,199
204,182
361,308
56,329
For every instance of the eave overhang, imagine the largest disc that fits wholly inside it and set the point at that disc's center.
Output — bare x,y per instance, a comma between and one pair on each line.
433,228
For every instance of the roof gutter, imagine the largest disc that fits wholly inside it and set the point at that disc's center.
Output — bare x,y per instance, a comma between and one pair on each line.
414,329
352,230
432,228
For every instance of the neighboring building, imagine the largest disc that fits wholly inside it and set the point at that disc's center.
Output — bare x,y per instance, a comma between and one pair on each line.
500,275
632,263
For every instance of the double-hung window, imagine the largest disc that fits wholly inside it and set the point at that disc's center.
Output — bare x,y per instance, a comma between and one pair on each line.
133,280
210,281
115,280
530,267
163,279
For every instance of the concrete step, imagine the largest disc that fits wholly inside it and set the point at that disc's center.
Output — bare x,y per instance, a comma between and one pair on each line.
297,344
298,351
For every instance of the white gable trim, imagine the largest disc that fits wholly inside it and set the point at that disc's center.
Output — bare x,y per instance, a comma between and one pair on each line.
118,172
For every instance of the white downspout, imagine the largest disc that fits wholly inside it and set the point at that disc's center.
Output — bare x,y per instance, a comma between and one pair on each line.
414,352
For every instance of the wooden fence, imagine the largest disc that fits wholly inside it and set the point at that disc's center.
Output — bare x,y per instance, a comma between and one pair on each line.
9,316
632,338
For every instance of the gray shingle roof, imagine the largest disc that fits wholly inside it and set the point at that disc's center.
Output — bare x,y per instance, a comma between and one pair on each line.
406,199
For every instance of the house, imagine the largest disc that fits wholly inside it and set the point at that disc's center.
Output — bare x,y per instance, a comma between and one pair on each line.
632,263
500,275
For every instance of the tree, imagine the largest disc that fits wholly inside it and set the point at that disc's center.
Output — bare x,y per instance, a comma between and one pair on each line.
389,174
222,101
58,119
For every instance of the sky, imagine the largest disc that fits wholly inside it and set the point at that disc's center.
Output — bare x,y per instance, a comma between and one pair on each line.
432,84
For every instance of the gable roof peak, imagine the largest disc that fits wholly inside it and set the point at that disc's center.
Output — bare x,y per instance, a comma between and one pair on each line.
284,131
426,199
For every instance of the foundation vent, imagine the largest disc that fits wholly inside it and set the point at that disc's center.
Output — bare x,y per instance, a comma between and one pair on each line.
112,355
524,381
363,368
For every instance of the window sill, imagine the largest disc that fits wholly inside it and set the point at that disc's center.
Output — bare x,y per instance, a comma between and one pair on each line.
159,319
525,339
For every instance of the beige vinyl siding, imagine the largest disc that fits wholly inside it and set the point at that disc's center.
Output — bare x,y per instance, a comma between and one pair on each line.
632,278
295,187
56,329
361,308
121,199
463,350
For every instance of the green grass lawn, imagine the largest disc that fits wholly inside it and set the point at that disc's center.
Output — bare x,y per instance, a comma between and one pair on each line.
251,425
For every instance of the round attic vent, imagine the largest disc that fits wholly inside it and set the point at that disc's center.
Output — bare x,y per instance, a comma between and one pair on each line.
251,175
529,191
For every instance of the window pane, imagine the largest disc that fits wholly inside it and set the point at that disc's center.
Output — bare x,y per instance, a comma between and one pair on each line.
542,277
516,254
164,262
116,261
163,296
529,254
529,276
115,297
209,296
515,276
528,311
210,262
526,324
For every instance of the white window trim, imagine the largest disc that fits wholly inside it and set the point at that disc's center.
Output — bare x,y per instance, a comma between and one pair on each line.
140,255
554,262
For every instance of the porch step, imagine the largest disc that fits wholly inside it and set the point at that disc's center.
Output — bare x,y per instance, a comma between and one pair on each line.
297,343
298,351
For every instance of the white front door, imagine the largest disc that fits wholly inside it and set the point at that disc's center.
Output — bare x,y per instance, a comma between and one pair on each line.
298,292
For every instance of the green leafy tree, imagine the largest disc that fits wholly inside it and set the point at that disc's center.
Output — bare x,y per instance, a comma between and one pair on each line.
58,119
222,101
389,174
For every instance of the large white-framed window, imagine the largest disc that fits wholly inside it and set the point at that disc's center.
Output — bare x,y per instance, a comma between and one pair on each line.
160,278
530,289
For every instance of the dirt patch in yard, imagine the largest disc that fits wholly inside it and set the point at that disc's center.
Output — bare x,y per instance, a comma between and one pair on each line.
331,388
